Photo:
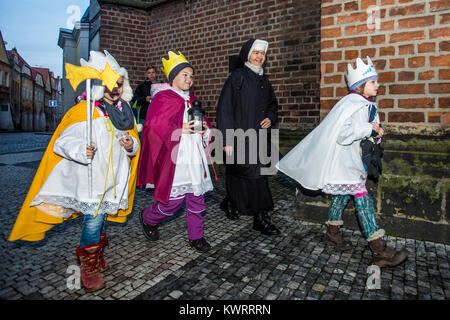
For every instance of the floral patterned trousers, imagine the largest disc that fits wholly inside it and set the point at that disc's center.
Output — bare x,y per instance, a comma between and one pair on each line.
364,209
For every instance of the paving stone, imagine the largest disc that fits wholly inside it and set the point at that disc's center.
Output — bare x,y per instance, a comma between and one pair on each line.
243,264
176,294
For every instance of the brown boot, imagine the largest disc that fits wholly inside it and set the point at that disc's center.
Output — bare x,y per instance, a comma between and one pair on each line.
333,237
90,267
103,243
384,256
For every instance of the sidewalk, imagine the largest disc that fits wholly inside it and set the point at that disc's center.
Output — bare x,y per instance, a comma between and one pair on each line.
23,141
243,264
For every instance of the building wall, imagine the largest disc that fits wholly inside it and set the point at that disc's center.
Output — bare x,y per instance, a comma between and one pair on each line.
408,41
5,75
48,111
208,33
124,33
5,83
38,105
15,98
69,56
27,114
75,45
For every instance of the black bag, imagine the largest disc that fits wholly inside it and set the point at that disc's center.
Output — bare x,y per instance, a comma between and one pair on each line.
371,157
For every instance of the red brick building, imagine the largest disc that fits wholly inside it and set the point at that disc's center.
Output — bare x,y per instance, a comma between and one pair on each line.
310,43
210,33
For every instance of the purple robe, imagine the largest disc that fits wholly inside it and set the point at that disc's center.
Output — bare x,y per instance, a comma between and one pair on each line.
165,115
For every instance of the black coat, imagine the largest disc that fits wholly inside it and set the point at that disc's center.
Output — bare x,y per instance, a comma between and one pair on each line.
246,99
141,92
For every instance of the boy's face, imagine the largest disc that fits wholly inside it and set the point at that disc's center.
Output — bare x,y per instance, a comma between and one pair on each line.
257,57
151,74
113,96
371,88
184,79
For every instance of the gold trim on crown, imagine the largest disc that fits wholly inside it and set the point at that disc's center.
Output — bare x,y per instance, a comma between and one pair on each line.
174,60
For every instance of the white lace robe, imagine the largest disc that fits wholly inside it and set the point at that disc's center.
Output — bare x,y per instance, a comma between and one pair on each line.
67,184
191,170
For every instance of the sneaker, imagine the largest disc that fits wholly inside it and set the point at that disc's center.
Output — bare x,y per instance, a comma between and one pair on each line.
200,245
150,232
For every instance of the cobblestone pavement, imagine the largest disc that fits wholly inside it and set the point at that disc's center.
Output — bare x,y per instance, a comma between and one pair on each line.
243,264
23,141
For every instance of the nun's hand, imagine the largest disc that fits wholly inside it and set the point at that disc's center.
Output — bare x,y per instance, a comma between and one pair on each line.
266,123
228,150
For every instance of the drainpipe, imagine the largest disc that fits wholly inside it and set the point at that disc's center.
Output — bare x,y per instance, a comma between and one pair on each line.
33,104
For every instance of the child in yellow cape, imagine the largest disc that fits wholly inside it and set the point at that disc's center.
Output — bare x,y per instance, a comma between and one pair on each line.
59,190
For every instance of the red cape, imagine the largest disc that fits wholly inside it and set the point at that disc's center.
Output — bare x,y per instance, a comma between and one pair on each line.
165,115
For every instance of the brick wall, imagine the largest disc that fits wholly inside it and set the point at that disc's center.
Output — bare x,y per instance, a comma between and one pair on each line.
410,48
124,32
209,32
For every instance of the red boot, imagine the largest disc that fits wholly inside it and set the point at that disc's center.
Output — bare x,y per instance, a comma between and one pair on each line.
103,243
90,267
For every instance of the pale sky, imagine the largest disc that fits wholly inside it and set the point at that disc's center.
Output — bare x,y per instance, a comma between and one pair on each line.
32,26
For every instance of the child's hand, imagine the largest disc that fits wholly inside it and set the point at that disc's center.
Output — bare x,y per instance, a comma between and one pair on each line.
90,150
380,133
188,127
376,127
204,126
126,142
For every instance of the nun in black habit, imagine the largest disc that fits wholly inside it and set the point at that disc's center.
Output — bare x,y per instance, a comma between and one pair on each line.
247,102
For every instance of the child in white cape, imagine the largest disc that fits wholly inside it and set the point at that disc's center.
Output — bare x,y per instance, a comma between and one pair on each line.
329,159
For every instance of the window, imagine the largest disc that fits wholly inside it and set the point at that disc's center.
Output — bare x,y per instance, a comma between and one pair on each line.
7,79
1,77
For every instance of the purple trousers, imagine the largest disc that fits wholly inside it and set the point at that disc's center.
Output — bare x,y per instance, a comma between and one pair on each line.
157,212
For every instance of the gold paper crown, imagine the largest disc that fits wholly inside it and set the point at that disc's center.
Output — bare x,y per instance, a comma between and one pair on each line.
76,75
174,60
